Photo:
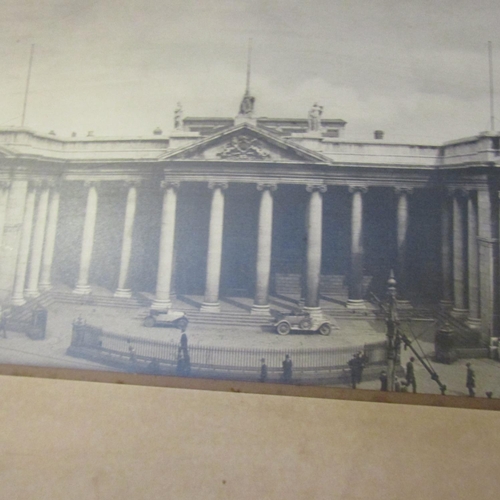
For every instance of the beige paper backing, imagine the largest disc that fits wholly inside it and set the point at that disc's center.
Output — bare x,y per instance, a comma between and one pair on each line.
67,439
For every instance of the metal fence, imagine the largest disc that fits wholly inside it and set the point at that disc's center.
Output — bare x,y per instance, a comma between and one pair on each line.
139,354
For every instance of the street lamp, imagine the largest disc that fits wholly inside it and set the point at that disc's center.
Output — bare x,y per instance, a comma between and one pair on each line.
393,336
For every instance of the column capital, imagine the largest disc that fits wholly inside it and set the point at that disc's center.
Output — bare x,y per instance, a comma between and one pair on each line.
263,186
170,184
54,183
456,191
311,188
5,184
89,184
403,190
353,188
217,184
132,183
34,184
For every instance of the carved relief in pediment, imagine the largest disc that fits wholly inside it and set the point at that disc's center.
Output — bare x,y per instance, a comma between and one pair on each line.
243,147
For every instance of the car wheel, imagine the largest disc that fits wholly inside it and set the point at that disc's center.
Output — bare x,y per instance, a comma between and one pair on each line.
305,324
283,328
149,322
182,324
325,329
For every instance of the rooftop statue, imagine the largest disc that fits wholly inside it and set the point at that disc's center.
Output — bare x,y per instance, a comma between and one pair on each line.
247,104
314,117
178,117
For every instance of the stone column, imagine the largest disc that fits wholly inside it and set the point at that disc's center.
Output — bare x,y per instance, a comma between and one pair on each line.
50,239
313,253
24,247
474,320
82,285
264,247
123,290
9,251
446,261
37,243
355,300
459,247
4,195
165,261
487,211
214,258
402,233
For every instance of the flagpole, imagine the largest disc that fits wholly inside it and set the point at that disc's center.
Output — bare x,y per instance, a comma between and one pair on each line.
27,84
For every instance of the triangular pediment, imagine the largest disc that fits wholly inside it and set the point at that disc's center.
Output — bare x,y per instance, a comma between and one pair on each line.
245,143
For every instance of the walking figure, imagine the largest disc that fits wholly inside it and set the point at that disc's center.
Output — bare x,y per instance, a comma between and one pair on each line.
410,375
287,369
263,371
133,357
470,382
3,323
355,364
383,380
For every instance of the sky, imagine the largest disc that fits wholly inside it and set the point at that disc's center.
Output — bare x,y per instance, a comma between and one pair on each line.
417,69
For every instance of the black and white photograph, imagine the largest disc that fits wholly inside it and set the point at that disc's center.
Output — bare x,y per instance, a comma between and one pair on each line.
287,192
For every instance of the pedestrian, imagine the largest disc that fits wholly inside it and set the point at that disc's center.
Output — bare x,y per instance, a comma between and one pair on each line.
470,381
355,366
133,357
263,371
397,385
410,375
383,380
363,361
287,369
3,323
184,341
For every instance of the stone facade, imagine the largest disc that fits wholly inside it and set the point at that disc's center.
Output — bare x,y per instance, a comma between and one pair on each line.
223,206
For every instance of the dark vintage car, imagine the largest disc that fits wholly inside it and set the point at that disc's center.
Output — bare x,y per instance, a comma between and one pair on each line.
300,321
166,317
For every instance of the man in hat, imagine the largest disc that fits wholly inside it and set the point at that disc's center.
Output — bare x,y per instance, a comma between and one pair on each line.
263,371
287,369
383,380
470,381
355,364
410,375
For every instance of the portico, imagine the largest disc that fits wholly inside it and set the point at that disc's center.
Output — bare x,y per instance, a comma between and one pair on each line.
253,207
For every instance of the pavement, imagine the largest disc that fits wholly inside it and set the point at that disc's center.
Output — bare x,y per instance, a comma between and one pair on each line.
17,348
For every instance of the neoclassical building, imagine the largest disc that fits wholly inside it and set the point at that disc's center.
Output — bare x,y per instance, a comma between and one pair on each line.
245,206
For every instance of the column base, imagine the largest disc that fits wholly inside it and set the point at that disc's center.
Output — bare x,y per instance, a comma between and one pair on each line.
122,293
211,307
314,312
43,287
261,310
445,304
161,304
474,323
31,293
82,290
355,304
459,313
18,301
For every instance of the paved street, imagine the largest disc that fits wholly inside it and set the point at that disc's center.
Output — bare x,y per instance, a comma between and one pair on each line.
19,349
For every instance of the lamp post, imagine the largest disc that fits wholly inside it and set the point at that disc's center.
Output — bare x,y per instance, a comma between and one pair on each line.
393,335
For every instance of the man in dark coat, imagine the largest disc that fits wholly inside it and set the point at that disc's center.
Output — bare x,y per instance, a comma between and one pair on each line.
263,371
356,366
287,369
470,381
383,380
410,375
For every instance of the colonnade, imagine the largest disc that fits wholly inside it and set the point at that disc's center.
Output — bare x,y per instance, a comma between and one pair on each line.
39,224
460,254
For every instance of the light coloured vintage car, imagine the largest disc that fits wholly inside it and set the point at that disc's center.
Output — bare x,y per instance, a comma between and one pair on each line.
166,317
300,321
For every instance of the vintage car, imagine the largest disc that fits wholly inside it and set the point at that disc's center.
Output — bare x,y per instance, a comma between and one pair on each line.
298,320
166,317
